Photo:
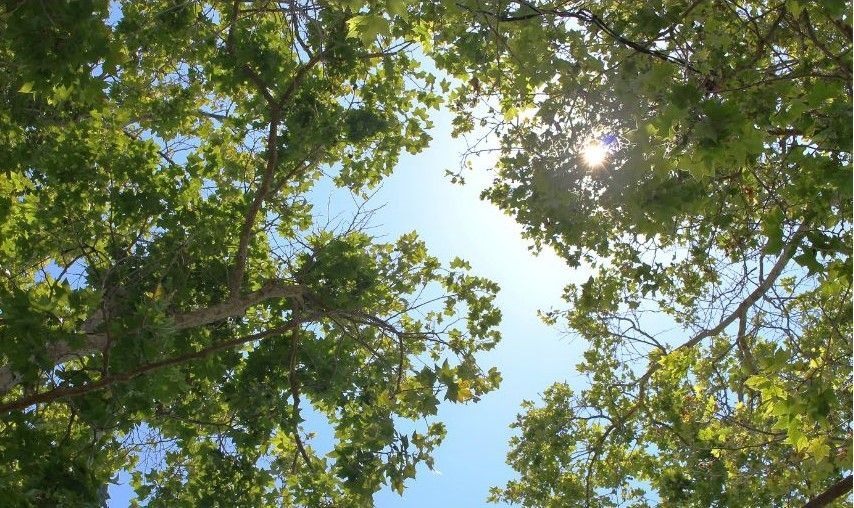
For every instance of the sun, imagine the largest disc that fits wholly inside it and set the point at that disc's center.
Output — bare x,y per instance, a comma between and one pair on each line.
594,153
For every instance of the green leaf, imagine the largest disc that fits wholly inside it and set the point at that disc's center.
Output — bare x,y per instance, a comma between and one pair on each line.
818,449
397,7
808,260
757,382
772,227
367,27
794,7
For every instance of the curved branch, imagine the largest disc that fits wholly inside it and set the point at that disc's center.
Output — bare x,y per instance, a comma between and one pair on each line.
61,352
832,493
124,377
747,303
642,382
585,16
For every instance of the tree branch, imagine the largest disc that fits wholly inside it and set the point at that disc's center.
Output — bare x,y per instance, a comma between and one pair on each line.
236,277
275,105
751,299
247,69
587,17
61,352
642,382
294,382
832,493
124,377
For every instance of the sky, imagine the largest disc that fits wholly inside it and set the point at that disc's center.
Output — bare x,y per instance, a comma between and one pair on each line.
454,222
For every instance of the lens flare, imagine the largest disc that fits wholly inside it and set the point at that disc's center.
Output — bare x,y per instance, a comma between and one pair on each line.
594,153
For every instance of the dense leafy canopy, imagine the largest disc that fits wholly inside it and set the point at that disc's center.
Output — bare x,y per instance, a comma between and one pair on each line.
170,304
718,321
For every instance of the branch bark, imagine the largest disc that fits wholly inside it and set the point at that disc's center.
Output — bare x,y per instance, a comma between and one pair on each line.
585,16
236,278
275,105
832,493
61,352
294,382
123,377
763,287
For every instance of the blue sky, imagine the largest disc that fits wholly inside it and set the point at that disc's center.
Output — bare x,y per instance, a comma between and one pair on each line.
453,221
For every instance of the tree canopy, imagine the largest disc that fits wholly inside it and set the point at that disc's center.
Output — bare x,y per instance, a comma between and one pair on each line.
172,305
697,155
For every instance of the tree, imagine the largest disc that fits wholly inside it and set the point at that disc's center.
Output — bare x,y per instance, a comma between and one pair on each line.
698,156
170,305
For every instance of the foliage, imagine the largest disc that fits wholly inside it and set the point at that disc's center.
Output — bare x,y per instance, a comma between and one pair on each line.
170,305
718,321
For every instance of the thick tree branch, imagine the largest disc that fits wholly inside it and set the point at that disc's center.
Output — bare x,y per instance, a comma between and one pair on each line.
298,78
832,493
841,59
275,105
272,101
294,382
743,347
763,287
589,17
247,69
61,352
236,277
123,377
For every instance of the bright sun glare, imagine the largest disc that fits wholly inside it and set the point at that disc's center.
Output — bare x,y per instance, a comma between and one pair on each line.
594,153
